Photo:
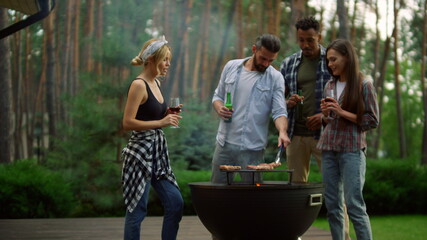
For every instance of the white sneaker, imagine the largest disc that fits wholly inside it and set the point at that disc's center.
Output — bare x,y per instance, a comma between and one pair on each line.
299,238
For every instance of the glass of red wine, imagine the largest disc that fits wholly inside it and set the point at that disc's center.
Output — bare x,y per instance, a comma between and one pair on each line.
174,107
330,96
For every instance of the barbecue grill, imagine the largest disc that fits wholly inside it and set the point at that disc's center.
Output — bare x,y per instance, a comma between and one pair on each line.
260,210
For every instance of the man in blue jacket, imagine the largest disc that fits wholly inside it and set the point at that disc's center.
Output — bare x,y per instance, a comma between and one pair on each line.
257,92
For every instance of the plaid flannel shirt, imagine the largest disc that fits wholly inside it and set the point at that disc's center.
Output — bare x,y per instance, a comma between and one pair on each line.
341,135
145,154
289,70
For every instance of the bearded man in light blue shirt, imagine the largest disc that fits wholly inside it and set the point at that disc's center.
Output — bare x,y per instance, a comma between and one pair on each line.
257,92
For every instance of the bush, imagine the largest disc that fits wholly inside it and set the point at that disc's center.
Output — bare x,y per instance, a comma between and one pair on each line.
87,152
395,187
29,190
194,142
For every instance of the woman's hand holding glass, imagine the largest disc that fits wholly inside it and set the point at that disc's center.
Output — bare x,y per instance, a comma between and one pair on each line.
328,104
174,110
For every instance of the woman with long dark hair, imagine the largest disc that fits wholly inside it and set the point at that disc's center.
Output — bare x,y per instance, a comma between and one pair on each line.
346,117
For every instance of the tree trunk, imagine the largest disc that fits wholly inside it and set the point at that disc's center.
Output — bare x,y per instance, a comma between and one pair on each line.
400,121
362,33
176,63
29,96
205,81
6,127
379,85
378,74
218,65
98,38
260,16
17,89
166,18
342,19
74,73
298,11
240,40
278,16
39,108
270,16
65,56
196,67
377,44
353,22
321,22
198,73
87,58
50,77
423,84
334,29
184,73
358,33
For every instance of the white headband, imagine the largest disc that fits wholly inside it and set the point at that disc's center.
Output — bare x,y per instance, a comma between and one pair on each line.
154,46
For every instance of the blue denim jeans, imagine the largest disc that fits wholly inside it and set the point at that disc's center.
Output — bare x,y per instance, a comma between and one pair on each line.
173,203
344,177
232,154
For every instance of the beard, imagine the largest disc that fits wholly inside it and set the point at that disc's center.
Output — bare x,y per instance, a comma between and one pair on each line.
259,67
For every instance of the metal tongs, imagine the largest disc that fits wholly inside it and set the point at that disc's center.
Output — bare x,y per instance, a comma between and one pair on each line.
279,154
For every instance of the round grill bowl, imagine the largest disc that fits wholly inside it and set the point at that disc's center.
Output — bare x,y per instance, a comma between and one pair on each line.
272,210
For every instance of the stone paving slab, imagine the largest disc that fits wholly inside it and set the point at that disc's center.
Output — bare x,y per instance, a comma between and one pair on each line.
109,229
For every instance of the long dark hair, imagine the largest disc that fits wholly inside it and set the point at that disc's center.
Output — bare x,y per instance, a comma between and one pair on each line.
353,96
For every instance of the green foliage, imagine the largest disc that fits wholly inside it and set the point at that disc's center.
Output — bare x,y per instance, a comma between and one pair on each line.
410,105
29,190
88,157
87,154
194,142
391,186
46,194
395,187
186,177
125,29
414,40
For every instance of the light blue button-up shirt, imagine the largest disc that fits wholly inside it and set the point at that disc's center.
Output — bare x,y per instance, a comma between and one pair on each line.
266,99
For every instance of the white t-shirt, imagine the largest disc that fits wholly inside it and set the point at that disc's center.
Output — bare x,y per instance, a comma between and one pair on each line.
340,88
241,98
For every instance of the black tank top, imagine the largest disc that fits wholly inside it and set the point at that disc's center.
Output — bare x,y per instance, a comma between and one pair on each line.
151,109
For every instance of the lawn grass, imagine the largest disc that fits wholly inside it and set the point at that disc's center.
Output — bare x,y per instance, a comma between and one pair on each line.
405,227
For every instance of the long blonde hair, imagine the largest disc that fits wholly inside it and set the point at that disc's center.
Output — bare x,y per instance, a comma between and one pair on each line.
157,56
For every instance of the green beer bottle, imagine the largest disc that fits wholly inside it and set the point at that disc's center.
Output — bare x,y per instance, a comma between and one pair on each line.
300,107
228,105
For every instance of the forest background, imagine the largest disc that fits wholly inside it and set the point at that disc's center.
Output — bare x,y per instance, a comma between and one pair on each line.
64,82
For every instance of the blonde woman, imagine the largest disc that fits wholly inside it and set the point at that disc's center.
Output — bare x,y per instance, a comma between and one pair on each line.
145,158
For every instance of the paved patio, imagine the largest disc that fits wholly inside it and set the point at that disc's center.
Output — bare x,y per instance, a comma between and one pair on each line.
109,229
